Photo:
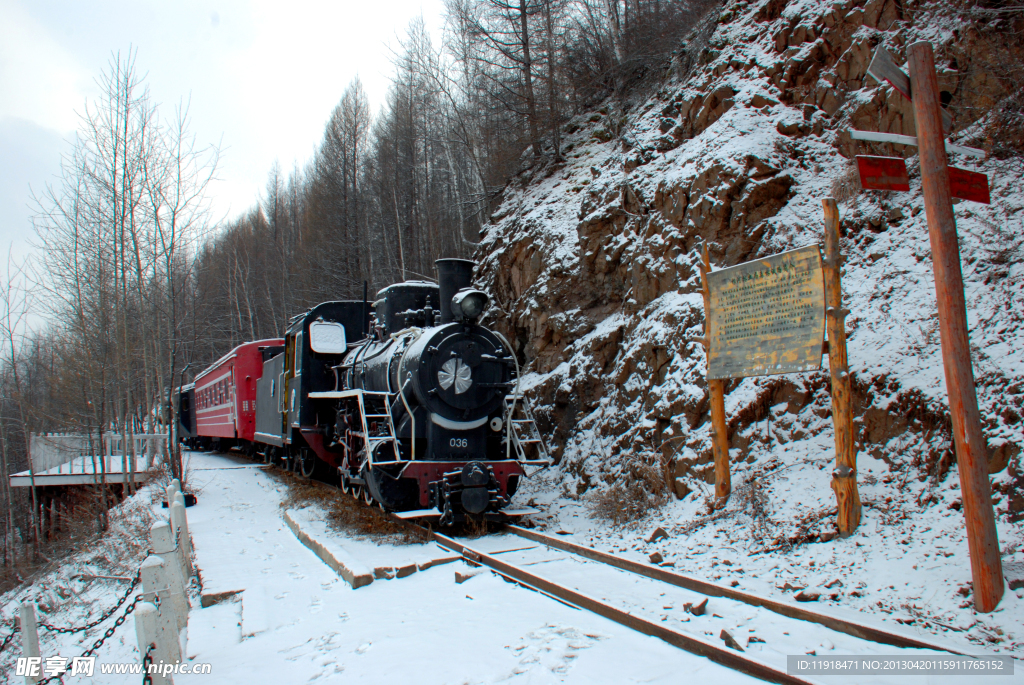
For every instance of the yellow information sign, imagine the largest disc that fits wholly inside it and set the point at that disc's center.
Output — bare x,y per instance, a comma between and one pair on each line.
767,316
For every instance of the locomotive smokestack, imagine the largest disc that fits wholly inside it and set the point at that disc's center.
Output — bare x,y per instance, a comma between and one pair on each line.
452,276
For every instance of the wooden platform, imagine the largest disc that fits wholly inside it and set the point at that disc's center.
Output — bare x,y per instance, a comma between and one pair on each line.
85,471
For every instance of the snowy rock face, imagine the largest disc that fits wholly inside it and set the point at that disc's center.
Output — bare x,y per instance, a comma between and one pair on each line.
593,262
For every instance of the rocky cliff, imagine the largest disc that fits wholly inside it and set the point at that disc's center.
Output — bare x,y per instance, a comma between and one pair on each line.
593,265
593,261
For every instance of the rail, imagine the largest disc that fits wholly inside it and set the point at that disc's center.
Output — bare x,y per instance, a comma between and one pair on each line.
858,630
720,655
727,656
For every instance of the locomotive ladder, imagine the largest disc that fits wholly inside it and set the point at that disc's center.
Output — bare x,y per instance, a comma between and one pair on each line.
374,406
523,430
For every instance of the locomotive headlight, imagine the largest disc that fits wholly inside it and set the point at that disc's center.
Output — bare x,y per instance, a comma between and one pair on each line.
468,304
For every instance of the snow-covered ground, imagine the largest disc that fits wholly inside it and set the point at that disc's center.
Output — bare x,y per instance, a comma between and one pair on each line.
282,615
423,628
294,620
906,565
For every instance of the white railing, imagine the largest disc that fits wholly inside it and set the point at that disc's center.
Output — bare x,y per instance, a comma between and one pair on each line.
53,450
161,610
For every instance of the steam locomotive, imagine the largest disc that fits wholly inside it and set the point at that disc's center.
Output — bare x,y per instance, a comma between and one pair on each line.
413,407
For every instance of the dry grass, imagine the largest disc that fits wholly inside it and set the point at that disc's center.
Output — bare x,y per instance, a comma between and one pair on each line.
625,503
345,514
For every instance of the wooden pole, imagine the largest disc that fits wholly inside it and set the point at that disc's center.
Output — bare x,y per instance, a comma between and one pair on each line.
971,448
716,388
844,477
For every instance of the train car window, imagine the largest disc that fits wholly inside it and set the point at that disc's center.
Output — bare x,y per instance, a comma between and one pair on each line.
298,353
273,386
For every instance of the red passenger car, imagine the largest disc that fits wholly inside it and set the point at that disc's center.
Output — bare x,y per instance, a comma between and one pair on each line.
225,393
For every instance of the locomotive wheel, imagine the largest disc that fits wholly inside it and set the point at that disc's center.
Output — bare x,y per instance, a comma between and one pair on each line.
346,488
367,497
306,463
357,492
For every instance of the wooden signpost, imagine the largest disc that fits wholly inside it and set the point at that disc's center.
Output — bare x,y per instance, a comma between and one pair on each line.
716,390
971,448
940,184
768,316
883,68
844,477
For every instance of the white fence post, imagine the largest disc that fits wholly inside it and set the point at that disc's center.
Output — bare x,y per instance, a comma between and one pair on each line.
158,580
164,550
29,637
153,640
179,523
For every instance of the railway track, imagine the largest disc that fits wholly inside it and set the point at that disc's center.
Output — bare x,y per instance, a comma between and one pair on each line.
630,593
651,600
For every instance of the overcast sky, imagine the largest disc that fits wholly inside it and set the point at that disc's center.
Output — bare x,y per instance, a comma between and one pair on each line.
262,77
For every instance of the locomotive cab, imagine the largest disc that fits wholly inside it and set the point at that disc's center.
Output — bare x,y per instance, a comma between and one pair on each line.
314,343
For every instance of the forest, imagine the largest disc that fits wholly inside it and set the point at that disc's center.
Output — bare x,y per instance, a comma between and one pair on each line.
136,288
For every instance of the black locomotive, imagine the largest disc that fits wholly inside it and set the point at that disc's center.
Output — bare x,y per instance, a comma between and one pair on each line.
413,406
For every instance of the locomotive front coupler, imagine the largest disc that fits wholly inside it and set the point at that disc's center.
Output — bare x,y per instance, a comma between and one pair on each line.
473,489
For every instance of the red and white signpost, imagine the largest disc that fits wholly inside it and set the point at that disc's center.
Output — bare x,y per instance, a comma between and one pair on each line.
940,184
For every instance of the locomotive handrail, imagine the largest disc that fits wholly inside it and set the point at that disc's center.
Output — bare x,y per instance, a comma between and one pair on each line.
515,396
405,332
412,419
